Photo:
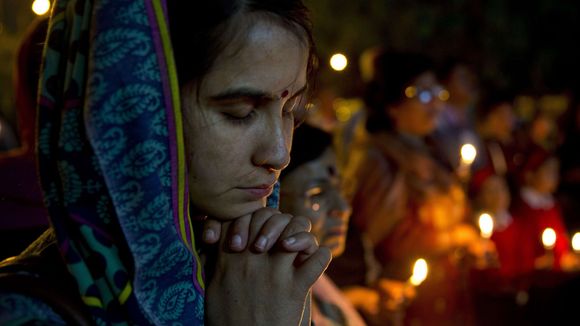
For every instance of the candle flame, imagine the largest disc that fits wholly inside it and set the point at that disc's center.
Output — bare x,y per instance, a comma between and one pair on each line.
468,153
420,271
576,241
549,238
486,225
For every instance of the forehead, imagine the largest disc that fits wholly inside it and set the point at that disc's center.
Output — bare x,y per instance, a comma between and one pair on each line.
264,54
426,79
549,165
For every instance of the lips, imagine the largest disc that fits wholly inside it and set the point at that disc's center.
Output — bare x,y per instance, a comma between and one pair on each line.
259,191
337,231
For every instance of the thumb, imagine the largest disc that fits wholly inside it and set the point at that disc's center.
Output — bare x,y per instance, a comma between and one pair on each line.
313,267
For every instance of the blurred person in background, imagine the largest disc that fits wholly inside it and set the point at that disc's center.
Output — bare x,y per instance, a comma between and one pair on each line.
496,124
569,155
406,202
310,186
496,287
21,208
455,123
538,209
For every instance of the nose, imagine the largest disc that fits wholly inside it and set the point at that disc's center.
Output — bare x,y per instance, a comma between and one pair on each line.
273,143
340,207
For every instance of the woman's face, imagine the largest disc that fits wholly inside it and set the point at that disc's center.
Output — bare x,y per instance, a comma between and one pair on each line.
313,190
502,121
494,195
418,115
238,128
545,179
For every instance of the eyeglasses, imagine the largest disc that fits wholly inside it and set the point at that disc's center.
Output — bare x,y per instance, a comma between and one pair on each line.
426,95
320,197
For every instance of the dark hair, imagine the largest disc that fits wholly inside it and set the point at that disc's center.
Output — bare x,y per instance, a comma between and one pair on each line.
308,144
200,30
393,72
448,65
492,95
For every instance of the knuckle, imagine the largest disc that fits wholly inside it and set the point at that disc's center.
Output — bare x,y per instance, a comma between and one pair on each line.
302,223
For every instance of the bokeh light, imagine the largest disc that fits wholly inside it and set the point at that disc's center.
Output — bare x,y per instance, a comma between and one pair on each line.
549,238
468,153
338,62
40,7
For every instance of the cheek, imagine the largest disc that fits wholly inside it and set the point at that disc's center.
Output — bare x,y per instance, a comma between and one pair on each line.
318,225
212,156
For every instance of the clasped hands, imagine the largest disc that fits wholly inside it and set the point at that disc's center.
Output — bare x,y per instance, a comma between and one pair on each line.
265,266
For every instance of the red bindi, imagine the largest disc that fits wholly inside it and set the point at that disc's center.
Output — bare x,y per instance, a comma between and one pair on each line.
284,94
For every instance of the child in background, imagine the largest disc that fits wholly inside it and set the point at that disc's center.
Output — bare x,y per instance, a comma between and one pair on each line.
536,209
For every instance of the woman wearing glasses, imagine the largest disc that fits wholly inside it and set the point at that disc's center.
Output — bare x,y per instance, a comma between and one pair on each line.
406,203
311,186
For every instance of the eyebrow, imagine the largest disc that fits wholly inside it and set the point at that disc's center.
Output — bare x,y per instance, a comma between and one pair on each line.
317,182
245,92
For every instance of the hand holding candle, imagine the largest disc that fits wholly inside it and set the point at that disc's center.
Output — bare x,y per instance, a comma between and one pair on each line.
570,261
546,261
468,154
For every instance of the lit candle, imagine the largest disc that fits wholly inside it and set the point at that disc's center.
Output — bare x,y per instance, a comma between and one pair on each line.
468,154
486,225
576,242
420,271
549,238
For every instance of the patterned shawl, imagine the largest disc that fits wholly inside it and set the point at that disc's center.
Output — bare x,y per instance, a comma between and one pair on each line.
112,164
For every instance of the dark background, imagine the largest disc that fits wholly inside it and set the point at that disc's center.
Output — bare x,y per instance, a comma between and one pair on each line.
531,46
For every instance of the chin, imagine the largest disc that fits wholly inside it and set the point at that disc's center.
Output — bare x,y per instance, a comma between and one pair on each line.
229,211
336,249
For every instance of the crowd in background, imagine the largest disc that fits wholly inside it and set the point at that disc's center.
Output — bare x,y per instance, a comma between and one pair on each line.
414,194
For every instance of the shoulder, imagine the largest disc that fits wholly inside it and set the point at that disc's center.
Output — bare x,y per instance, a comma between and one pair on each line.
37,285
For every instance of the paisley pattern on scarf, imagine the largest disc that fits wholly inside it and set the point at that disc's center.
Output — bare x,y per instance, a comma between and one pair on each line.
27,311
112,163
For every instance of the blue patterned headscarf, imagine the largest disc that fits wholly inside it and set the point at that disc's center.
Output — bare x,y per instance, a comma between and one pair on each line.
111,160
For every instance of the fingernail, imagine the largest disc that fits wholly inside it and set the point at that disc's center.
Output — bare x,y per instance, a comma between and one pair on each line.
261,242
236,241
290,241
209,235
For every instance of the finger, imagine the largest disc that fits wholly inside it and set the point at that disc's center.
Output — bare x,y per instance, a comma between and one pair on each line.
238,233
211,231
266,232
313,267
305,243
298,224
